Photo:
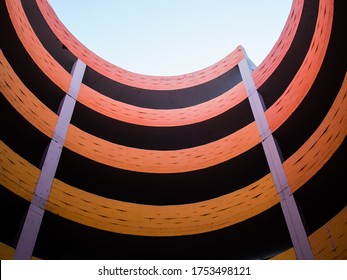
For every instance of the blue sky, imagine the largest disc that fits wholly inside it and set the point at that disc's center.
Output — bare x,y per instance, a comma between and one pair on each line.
170,37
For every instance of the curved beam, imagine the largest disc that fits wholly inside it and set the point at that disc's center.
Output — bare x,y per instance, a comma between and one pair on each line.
157,82
133,114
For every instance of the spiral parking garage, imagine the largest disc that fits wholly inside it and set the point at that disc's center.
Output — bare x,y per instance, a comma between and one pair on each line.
164,167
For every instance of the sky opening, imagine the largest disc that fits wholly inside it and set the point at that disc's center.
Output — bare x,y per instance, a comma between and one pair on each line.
166,37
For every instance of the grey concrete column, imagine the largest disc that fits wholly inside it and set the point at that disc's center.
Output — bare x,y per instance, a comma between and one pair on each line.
290,210
32,223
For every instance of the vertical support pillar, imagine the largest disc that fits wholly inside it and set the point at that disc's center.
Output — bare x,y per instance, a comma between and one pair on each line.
32,223
290,210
